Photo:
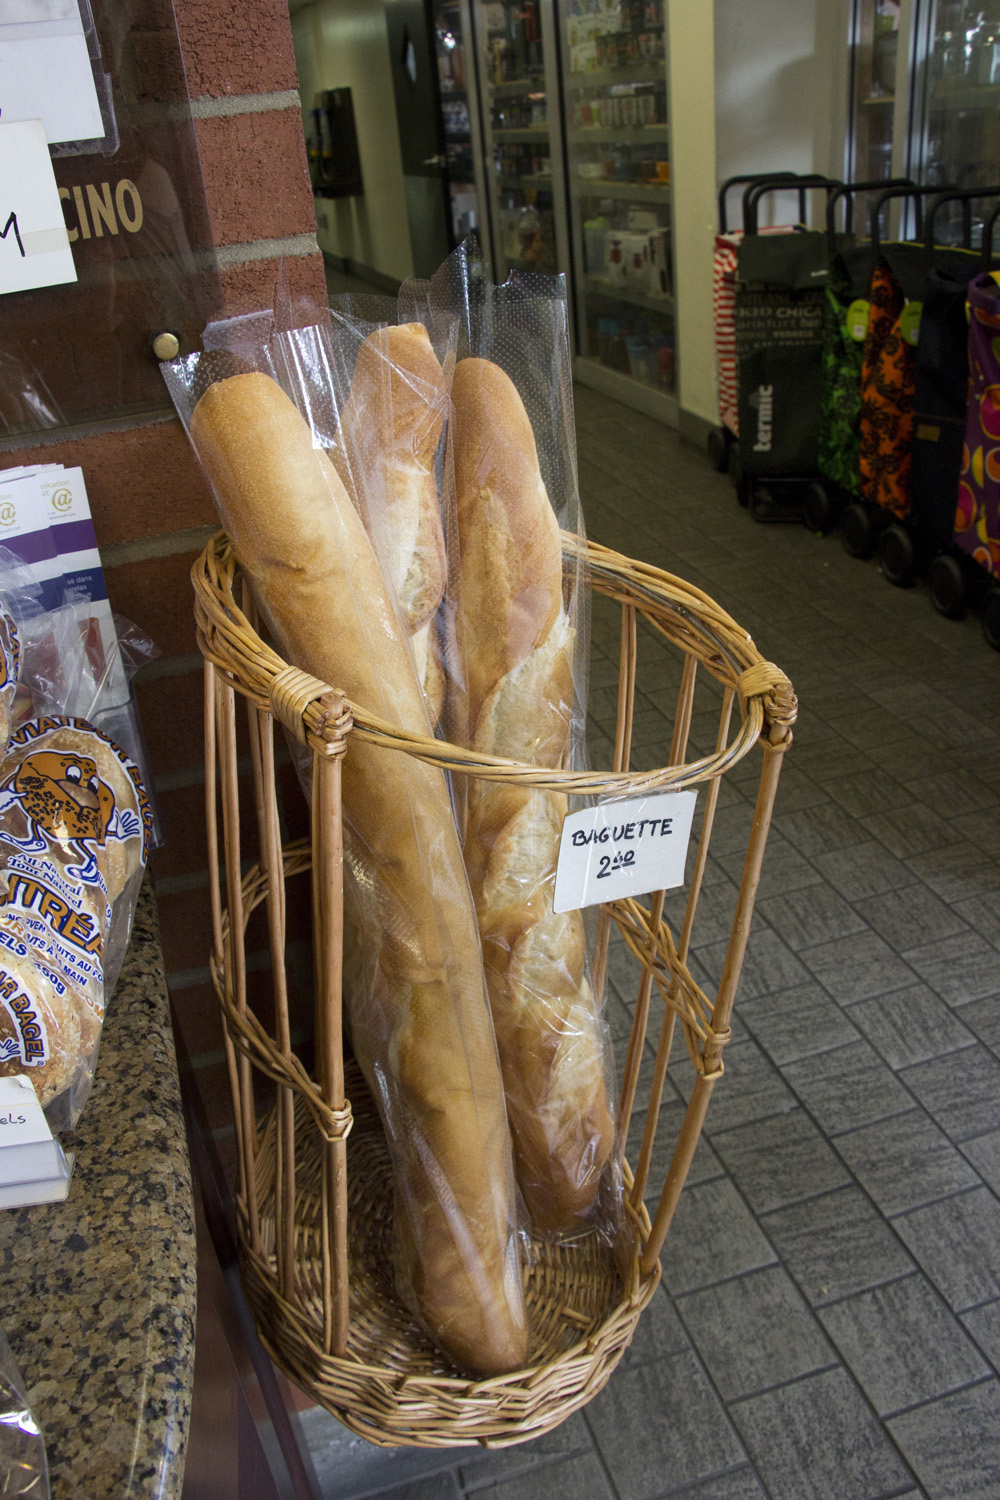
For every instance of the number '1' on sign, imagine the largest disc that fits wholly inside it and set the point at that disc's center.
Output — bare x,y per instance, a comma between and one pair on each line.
626,848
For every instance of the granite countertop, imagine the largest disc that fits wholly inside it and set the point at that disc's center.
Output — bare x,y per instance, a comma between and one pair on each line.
99,1291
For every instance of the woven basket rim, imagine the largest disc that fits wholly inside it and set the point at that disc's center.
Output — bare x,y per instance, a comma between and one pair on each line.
321,716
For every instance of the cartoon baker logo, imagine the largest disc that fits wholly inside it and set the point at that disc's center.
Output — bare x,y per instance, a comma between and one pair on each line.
63,797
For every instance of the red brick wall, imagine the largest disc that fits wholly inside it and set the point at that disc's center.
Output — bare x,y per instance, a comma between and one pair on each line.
152,510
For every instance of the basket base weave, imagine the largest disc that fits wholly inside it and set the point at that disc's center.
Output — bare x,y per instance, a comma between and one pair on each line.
392,1386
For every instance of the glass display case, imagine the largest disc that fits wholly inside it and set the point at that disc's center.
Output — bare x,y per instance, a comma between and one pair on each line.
957,123
518,97
618,171
457,108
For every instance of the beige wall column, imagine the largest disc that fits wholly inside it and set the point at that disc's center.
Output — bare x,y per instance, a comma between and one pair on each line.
692,155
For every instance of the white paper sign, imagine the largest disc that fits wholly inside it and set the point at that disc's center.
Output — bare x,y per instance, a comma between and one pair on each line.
22,1122
626,848
34,244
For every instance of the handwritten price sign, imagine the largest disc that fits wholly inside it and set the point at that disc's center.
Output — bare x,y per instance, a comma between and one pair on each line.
34,246
624,848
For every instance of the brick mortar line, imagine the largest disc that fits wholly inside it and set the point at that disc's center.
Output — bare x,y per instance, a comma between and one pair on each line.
166,544
209,107
247,251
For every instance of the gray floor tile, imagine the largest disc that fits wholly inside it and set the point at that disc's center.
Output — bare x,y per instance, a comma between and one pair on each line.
769,965
981,913
983,1323
659,1331
984,1154
855,968
902,1344
815,830
785,869
798,1022
905,1162
713,1237
961,1091
704,1166
779,1161
866,792
347,1467
907,831
751,1088
955,1242
981,827
569,1479
818,1437
437,1487
659,1426
743,1484
910,1026
484,1466
865,870
847,1087
755,1332
953,792
836,1244
959,968
983,1017
958,873
911,917
953,1445
813,915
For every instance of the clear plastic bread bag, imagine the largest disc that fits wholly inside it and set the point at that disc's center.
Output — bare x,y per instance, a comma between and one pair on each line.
75,830
415,994
517,689
24,1469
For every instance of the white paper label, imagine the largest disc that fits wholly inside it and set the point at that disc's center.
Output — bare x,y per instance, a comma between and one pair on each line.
626,848
34,244
22,1122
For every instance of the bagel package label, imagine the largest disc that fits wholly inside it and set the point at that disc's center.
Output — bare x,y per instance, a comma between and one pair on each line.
75,828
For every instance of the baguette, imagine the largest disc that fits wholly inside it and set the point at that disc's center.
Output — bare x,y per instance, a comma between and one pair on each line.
516,642
390,432
422,1033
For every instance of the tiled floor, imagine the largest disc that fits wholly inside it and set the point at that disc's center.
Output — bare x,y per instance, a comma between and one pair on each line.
829,1323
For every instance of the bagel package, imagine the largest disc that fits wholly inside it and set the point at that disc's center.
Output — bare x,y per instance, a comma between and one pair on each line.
75,829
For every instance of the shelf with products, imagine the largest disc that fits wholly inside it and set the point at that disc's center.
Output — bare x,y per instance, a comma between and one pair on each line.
540,180
639,71
612,291
626,135
622,191
520,137
508,88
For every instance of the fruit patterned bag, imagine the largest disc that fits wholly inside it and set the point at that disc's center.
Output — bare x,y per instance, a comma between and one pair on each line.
977,518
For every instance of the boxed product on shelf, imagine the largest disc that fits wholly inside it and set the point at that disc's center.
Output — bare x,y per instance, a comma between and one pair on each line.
615,268
636,253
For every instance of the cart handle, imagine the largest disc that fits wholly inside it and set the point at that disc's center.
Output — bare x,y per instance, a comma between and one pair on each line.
753,195
847,191
965,196
751,178
916,193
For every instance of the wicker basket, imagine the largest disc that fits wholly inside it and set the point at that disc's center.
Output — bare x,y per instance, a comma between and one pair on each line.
313,1235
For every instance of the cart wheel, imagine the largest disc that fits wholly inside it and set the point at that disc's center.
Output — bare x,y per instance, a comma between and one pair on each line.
817,508
856,530
897,556
718,450
946,583
991,617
